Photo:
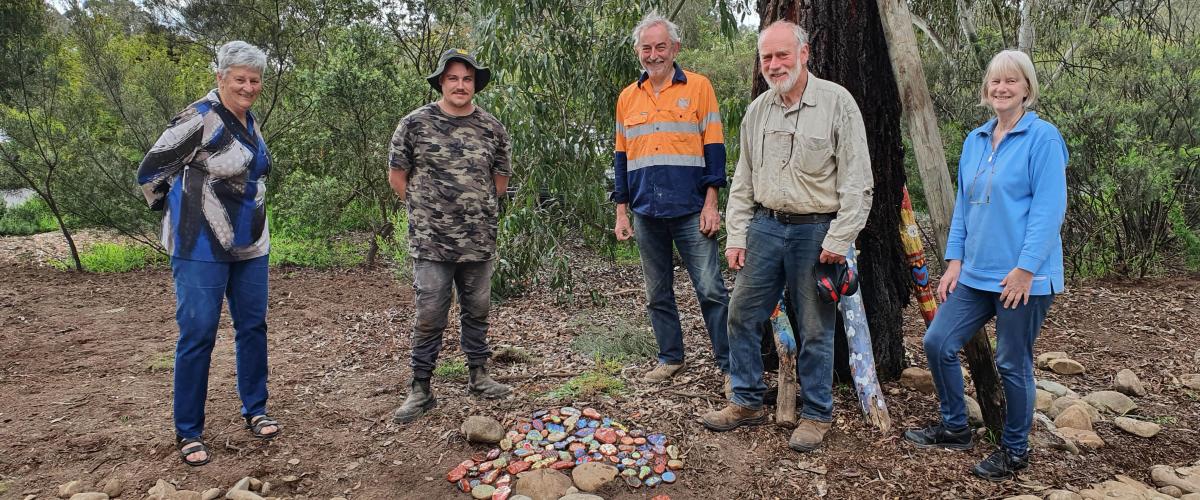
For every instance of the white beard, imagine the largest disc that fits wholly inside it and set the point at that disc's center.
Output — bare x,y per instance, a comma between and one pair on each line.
785,87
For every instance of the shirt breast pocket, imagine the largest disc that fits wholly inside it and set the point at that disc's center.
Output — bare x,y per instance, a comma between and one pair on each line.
814,153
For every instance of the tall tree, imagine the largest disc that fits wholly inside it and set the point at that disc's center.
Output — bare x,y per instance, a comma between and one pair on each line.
848,47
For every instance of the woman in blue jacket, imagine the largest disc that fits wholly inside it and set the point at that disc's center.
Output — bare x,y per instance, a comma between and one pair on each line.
1003,260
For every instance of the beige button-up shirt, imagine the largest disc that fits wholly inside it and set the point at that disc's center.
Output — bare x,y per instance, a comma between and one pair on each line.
809,158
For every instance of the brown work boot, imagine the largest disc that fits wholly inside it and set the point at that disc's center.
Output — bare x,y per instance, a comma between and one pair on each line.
662,372
808,435
728,386
731,417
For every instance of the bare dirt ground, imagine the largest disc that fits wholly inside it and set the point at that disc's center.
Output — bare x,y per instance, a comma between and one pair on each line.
85,392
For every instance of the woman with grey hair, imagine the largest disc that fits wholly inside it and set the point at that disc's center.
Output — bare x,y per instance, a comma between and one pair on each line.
1004,259
207,173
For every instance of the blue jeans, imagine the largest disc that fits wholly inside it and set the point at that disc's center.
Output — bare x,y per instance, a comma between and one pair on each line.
655,237
966,311
433,282
199,289
782,255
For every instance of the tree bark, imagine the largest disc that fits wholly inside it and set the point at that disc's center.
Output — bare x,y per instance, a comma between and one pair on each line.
847,47
1025,34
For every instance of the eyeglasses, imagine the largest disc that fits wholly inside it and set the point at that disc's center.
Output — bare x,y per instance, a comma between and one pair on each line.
984,198
778,136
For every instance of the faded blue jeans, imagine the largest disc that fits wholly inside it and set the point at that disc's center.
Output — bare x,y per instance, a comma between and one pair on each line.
200,287
655,238
966,311
782,255
433,282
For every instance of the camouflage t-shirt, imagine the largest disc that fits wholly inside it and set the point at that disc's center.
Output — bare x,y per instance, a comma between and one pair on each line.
452,204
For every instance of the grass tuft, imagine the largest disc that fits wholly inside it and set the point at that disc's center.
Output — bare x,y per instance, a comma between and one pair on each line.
163,362
601,380
453,369
512,355
623,341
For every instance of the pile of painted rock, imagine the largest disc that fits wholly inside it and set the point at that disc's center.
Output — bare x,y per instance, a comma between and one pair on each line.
562,438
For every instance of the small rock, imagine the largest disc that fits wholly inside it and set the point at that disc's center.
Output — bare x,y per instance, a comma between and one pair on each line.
1191,381
1044,400
242,495
161,490
483,492
294,461
974,412
1043,360
1171,490
211,494
1055,388
91,495
1136,427
592,476
1074,417
1087,439
1111,401
1113,489
67,490
187,495
917,379
1066,366
480,429
1163,475
242,484
1065,402
542,484
1062,495
1126,382
591,413
113,487
675,464
581,496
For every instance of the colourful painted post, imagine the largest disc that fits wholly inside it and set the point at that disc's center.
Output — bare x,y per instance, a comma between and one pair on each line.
910,236
862,359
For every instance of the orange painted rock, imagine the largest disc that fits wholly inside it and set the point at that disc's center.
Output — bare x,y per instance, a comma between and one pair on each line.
518,467
456,474
606,435
565,464
591,413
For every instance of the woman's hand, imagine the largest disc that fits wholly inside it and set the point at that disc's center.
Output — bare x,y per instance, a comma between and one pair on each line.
1016,288
949,279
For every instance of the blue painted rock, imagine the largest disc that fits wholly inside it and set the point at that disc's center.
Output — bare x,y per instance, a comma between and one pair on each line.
653,481
540,413
668,477
533,436
657,439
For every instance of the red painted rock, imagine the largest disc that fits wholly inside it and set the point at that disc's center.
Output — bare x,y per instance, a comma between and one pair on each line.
565,464
456,474
591,413
518,467
503,481
479,457
484,467
613,459
627,440
639,441
661,497
606,435
659,467
502,493
576,446
490,477
464,486
628,448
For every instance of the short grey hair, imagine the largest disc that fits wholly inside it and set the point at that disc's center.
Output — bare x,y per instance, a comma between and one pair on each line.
1011,62
797,31
239,53
654,18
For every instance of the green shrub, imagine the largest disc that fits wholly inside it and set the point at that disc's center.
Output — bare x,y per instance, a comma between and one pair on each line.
31,217
118,258
290,250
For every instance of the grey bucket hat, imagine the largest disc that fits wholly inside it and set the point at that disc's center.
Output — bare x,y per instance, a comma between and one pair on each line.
482,74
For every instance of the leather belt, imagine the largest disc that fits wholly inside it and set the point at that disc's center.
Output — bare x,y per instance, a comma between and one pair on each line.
789,218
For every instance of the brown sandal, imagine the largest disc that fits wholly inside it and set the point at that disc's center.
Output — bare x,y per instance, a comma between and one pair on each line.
258,422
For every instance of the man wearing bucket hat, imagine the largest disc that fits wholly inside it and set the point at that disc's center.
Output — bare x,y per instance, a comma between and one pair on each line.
449,160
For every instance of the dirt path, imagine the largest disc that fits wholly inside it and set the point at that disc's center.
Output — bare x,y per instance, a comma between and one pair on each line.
85,388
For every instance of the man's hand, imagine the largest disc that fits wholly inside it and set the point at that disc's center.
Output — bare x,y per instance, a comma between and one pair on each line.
828,257
1016,288
949,279
710,221
736,258
623,230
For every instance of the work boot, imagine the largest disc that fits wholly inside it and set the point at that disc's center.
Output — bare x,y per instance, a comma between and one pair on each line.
420,400
728,386
937,436
663,372
1001,465
808,435
731,417
480,384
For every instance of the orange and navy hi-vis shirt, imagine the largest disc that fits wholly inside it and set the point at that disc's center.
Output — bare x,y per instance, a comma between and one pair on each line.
669,148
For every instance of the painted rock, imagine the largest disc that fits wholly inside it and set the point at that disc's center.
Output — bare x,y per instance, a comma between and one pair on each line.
506,444
555,428
479,457
637,433
555,437
613,459
606,435
594,424
561,445
659,468
475,482
490,477
534,436
537,424
626,448
540,413
577,446
628,461
571,422
532,458
582,460
591,413
503,480
675,464
606,422
635,455
456,474
562,465
657,439
525,427
643,472
518,467
501,493
639,441
640,462
673,452
482,492
521,452
653,481
464,486
629,472
500,463
562,455
633,481
556,419
585,432
668,477
608,449
628,441
484,467
567,410
549,454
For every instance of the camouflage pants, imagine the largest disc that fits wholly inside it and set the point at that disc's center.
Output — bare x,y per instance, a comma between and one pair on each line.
433,282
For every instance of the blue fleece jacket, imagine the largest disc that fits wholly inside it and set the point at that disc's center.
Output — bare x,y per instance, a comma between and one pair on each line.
1010,206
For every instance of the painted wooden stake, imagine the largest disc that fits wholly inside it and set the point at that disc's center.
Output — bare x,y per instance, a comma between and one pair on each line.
785,343
862,359
910,236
